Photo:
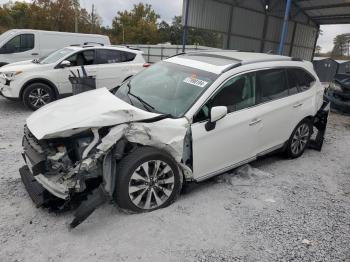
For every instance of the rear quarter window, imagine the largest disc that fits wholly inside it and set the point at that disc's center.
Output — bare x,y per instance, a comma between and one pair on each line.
305,79
272,84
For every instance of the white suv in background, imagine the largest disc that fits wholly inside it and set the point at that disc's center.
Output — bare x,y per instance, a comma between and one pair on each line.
39,82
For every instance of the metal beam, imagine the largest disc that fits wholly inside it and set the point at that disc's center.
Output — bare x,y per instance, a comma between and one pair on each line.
285,27
185,28
293,37
325,6
229,28
331,17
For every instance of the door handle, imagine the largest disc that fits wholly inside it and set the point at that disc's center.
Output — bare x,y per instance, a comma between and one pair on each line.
255,121
298,105
35,54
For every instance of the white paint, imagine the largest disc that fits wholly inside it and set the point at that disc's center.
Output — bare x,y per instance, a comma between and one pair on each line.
107,75
74,114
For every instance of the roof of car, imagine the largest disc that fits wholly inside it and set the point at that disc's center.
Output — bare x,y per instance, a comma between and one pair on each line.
221,61
98,46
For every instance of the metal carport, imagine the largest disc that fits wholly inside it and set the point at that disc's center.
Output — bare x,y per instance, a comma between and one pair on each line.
258,25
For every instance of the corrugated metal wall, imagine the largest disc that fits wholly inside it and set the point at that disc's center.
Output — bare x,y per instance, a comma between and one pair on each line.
246,26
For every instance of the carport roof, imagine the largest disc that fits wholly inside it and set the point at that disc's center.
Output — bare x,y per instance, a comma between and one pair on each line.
326,11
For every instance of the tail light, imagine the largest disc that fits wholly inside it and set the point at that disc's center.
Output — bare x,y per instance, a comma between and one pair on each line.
146,65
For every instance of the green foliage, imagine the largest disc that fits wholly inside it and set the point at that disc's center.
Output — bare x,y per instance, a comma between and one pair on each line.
47,15
341,45
137,26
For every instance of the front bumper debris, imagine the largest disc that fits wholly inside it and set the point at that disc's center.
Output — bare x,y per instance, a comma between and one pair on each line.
34,189
39,195
320,123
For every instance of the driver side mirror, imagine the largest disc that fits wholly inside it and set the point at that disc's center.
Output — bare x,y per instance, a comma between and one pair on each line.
216,113
65,64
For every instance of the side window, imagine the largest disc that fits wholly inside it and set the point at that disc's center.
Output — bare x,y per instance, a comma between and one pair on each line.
305,80
127,57
292,81
82,58
272,84
19,43
105,56
236,94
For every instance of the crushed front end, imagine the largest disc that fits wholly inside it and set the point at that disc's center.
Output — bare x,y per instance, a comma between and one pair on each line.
57,174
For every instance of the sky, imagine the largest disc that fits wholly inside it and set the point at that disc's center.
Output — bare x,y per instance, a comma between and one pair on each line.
107,9
167,9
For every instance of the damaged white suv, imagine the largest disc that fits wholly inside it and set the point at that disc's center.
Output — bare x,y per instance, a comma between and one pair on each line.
188,118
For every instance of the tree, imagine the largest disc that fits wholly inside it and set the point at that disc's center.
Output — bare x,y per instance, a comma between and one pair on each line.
58,15
137,26
341,45
318,50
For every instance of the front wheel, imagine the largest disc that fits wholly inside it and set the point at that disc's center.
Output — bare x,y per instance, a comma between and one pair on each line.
147,179
37,95
299,139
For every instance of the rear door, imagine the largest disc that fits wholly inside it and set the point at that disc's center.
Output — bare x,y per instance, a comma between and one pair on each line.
277,109
113,67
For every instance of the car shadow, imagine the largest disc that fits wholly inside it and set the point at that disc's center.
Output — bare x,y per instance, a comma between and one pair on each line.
193,187
12,106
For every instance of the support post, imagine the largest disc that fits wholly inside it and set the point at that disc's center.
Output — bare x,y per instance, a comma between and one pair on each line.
315,44
285,27
228,40
185,29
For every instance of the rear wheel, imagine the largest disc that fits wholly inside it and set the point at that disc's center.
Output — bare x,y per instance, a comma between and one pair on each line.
147,179
37,95
299,139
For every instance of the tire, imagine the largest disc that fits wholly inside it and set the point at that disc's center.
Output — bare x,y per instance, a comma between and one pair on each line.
37,95
299,139
137,193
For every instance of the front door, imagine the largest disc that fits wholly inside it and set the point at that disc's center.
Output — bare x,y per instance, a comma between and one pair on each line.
20,47
233,140
84,58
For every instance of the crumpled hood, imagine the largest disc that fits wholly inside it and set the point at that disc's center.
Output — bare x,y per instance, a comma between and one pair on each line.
96,108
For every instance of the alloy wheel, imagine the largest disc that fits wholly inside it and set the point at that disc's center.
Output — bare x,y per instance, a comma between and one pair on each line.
39,97
151,184
300,139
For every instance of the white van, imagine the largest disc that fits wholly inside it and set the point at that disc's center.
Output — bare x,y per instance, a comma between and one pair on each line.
25,44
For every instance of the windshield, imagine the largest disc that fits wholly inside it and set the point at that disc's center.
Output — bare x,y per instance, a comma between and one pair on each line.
56,56
166,88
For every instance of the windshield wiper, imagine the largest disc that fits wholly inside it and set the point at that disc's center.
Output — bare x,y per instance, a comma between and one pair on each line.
146,105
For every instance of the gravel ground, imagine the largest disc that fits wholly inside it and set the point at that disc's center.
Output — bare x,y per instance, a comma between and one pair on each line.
274,210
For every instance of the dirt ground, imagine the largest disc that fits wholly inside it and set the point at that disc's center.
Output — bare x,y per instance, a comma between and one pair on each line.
281,210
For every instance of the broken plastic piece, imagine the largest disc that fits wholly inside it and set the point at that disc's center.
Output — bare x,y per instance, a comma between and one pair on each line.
87,207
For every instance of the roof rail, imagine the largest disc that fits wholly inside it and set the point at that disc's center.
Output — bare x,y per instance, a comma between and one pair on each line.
182,53
275,59
133,48
96,43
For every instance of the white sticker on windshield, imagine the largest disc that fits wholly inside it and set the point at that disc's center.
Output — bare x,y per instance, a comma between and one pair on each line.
195,82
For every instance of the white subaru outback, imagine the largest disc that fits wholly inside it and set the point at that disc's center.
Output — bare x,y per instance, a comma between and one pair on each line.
188,118
39,82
